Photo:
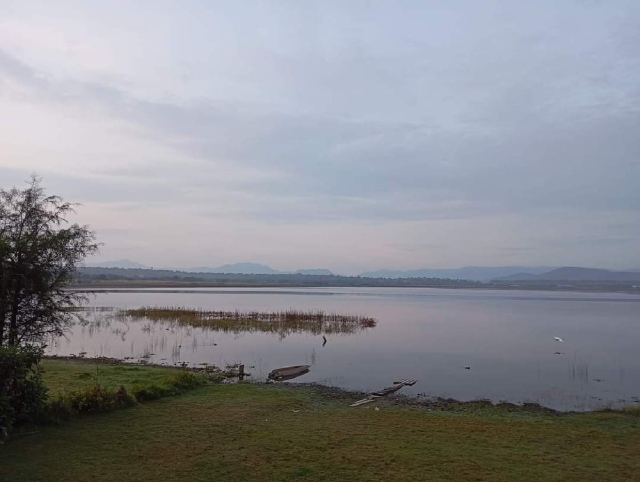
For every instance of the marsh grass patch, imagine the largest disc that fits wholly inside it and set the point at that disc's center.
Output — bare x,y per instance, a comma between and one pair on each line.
282,323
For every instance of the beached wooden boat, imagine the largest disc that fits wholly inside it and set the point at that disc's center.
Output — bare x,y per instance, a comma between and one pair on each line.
287,373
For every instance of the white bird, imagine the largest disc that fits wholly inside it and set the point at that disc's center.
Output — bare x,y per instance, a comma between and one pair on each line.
557,338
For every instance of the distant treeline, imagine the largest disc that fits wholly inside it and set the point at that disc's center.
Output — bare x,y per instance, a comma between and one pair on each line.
91,275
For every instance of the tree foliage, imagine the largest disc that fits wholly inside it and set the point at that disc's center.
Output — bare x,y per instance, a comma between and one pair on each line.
22,393
39,253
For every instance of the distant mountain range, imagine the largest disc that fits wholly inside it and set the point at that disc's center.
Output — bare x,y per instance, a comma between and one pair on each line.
256,268
315,272
471,273
235,268
575,274
121,263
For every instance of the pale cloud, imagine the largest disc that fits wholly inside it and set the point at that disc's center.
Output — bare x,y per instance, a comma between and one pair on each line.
352,136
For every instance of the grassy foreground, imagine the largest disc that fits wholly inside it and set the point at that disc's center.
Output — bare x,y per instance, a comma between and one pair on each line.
62,375
266,432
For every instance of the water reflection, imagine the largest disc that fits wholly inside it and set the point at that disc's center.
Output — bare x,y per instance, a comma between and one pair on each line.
430,335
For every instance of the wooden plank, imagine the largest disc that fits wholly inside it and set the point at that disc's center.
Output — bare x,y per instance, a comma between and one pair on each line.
363,401
385,391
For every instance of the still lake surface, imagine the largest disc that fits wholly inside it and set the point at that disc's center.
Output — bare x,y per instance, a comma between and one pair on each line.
506,337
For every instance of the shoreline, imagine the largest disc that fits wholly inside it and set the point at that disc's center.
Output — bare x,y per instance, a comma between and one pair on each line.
437,404
253,431
114,287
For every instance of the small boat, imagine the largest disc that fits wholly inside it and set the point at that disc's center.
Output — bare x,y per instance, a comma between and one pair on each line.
287,373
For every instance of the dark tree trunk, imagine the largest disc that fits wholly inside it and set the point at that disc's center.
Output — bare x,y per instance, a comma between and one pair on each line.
3,302
13,322
15,308
2,316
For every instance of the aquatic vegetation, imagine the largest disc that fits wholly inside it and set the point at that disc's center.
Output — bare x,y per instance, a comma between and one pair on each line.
579,371
279,322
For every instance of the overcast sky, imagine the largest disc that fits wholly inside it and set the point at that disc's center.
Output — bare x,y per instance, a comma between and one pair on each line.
345,135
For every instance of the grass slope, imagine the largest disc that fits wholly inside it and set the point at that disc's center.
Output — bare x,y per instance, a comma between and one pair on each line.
66,375
259,432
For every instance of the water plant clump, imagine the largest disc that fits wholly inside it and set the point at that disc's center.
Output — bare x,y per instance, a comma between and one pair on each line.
280,322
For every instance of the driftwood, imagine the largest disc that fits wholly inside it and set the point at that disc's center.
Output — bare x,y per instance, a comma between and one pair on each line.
385,391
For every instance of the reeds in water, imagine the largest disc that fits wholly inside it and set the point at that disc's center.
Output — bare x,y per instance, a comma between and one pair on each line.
280,322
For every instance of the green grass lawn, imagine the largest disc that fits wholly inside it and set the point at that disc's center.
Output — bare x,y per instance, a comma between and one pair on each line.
250,432
61,375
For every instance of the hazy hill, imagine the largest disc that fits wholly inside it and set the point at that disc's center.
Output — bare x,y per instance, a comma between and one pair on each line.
237,268
315,272
95,276
256,268
472,273
575,274
518,277
121,263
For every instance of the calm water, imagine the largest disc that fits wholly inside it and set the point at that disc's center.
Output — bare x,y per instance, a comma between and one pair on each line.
506,337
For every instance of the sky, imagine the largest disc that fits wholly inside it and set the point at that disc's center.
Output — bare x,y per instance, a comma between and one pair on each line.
343,135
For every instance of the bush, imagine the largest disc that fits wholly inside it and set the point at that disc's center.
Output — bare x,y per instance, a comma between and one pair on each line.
188,380
96,399
58,410
22,393
99,399
180,384
152,392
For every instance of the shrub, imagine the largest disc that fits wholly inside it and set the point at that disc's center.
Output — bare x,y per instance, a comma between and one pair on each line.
152,392
188,380
22,393
98,399
179,384
59,409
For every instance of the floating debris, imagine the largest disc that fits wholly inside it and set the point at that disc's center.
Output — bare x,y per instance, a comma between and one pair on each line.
557,338
467,367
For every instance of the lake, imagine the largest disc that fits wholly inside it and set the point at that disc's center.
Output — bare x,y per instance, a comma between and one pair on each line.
431,335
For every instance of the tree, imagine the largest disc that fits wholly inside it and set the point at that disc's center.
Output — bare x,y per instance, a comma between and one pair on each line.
39,253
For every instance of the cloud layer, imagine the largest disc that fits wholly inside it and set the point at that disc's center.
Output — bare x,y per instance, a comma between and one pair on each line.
351,137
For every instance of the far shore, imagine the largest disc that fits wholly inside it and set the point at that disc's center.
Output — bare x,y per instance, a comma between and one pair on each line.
105,286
